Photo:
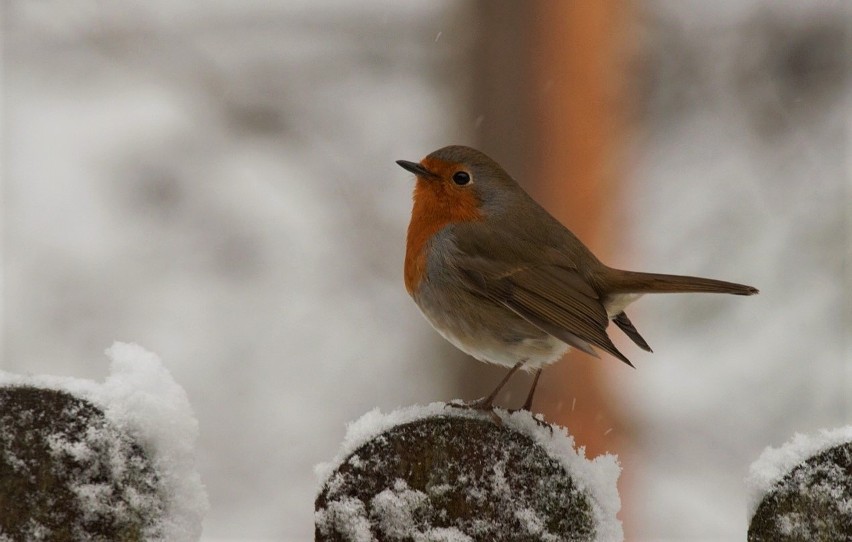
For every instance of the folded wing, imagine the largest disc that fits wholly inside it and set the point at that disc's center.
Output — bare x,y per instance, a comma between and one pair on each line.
553,298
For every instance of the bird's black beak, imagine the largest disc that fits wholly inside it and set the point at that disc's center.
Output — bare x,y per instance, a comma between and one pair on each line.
415,168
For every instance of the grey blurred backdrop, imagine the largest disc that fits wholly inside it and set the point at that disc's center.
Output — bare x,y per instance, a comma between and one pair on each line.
216,181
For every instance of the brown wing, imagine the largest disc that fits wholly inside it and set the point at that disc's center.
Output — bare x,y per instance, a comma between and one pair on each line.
553,298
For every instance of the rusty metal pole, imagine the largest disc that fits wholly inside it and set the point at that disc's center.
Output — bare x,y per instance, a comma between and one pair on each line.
579,121
548,103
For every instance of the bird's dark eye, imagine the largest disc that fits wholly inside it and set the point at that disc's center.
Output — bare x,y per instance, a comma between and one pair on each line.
461,178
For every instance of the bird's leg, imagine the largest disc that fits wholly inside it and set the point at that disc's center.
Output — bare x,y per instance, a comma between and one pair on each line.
528,402
487,403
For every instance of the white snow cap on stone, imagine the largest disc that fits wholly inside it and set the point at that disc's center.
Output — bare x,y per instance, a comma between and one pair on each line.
140,398
597,477
774,463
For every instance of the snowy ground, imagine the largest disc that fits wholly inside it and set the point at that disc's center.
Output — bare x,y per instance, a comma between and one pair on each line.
218,186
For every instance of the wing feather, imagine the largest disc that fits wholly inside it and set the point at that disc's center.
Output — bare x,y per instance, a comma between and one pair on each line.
623,322
554,298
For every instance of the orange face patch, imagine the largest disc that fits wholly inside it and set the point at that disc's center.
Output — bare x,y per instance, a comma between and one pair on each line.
437,202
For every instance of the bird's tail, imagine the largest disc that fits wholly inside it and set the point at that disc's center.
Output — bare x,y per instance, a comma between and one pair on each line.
633,282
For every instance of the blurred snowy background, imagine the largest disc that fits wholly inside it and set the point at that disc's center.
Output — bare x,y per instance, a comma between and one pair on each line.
745,155
216,182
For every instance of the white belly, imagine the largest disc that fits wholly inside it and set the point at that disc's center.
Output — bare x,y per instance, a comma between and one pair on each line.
617,303
538,352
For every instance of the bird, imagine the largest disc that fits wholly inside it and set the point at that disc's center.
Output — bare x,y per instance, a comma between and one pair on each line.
505,282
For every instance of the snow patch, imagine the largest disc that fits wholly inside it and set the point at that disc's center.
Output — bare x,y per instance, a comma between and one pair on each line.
395,508
534,525
346,515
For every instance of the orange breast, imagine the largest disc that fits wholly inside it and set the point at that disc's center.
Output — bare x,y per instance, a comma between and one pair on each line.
437,203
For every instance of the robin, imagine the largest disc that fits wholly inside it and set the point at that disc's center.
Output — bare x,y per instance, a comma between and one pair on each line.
505,282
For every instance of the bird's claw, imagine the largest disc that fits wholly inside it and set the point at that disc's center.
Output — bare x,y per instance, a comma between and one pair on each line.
537,418
483,404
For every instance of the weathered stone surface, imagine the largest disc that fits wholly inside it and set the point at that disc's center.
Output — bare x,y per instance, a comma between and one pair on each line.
67,474
812,503
452,478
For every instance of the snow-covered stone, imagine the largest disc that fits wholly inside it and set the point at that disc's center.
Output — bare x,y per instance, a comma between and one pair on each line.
81,460
803,489
438,473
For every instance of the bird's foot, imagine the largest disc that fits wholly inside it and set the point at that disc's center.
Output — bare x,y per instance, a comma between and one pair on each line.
483,404
537,418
